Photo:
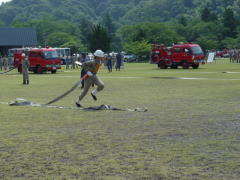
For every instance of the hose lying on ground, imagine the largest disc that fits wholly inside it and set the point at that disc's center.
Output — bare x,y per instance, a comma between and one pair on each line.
68,91
65,94
23,102
7,71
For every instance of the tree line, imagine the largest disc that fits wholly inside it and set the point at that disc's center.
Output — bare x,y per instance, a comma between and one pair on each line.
212,24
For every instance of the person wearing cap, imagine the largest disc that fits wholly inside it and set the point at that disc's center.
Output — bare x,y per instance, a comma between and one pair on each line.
25,66
91,68
73,59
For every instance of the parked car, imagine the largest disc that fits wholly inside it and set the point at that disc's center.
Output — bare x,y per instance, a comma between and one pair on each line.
129,57
226,55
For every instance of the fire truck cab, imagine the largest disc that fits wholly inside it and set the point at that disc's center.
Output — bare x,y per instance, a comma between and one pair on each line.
185,55
40,59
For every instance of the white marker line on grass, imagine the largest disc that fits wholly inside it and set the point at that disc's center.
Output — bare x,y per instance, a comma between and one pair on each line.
130,77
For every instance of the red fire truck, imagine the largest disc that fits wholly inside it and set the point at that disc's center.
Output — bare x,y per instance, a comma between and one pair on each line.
184,55
41,59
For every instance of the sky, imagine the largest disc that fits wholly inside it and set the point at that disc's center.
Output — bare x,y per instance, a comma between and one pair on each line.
4,1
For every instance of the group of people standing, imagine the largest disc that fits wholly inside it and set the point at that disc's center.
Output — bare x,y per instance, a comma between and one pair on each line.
76,57
112,59
234,55
5,62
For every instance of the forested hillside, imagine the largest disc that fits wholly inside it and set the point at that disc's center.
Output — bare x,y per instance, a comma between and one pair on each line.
123,11
128,23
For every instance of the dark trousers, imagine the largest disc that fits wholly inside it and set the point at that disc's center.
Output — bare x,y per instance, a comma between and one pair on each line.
109,65
118,65
83,72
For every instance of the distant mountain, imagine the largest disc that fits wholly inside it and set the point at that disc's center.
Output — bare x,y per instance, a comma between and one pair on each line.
122,11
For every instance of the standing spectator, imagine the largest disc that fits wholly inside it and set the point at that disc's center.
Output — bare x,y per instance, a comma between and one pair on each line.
231,52
109,62
25,66
9,62
78,59
73,59
68,61
5,62
237,56
1,62
118,61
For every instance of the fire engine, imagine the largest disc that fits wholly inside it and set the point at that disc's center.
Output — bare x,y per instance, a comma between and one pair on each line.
40,59
185,55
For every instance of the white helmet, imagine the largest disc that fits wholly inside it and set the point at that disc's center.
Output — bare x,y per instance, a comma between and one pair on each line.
99,53
23,54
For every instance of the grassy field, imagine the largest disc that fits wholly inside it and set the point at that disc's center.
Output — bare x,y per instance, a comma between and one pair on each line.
191,129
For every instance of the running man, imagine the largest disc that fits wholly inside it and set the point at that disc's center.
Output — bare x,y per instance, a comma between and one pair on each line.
91,68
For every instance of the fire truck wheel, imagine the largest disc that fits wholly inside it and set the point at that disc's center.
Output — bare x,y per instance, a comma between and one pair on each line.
185,65
54,71
195,66
39,70
162,65
174,66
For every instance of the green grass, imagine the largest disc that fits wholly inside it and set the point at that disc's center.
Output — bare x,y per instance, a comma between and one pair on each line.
191,130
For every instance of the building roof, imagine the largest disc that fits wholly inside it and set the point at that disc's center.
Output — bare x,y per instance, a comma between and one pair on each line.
17,37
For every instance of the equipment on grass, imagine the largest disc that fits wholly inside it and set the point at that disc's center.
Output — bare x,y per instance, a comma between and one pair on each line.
67,92
23,102
7,71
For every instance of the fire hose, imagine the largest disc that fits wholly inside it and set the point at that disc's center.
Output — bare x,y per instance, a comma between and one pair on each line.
68,91
7,71
23,102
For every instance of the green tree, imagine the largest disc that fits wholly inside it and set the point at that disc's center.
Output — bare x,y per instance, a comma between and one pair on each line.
86,27
57,39
188,3
150,32
109,25
99,39
207,44
139,48
230,23
230,43
182,20
207,15
140,35
111,30
43,28
17,24
75,46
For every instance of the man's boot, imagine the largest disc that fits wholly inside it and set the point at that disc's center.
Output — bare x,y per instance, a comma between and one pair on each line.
24,82
78,104
27,81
